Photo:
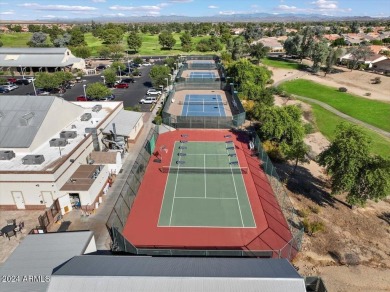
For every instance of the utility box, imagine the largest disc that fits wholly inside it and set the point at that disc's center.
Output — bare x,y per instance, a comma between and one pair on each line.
33,159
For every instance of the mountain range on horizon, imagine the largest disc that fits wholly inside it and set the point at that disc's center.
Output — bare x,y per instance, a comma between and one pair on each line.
253,17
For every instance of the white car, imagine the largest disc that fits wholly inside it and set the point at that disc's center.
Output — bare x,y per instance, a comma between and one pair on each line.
10,87
148,99
30,79
146,64
152,91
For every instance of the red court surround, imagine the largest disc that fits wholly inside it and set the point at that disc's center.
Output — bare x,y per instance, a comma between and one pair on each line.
271,233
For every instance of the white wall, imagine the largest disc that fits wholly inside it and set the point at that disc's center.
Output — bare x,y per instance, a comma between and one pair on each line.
134,132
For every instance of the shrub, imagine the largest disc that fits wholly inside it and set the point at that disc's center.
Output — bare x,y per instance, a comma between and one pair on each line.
157,120
343,89
367,94
273,151
314,209
312,227
309,128
303,213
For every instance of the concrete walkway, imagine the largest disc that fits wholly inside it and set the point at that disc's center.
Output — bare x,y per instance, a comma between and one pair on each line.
344,116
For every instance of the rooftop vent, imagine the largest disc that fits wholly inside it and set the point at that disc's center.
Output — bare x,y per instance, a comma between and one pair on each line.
58,142
26,119
86,117
97,108
7,155
68,134
33,159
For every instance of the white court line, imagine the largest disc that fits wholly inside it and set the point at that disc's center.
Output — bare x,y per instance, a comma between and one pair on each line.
174,192
208,198
206,154
189,97
235,189
205,181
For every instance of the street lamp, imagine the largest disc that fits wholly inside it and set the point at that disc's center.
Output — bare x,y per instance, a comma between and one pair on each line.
85,95
104,80
120,76
167,82
21,70
35,91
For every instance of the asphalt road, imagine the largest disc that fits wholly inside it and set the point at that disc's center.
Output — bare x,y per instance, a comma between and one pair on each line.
130,96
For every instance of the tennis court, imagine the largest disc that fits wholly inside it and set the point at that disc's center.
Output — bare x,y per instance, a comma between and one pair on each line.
203,105
205,187
202,75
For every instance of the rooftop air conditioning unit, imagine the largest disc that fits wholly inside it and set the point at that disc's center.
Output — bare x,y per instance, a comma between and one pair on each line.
90,130
86,117
7,155
33,159
97,108
68,134
58,142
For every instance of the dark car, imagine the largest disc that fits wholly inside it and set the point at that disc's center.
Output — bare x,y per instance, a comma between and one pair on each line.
128,80
137,73
3,90
102,67
22,82
58,91
121,85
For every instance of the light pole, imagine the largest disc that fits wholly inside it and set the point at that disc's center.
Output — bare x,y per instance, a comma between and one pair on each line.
21,70
167,82
35,91
104,80
85,95
120,76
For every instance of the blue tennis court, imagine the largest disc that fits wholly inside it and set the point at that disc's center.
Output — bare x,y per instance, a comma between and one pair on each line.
202,105
205,75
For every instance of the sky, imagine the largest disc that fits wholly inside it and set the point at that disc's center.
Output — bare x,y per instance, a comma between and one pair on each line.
73,9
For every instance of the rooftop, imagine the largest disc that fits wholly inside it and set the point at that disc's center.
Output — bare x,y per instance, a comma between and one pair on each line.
53,156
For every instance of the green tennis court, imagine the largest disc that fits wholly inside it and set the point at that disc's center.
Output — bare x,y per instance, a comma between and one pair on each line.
205,188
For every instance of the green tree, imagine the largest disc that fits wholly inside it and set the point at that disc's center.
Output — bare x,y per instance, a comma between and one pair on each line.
331,60
307,43
186,41
134,41
38,39
319,53
292,45
104,52
112,36
297,152
340,42
116,65
170,62
63,77
97,90
48,80
138,60
345,156
237,47
158,73
352,169
282,124
258,51
82,52
166,40
77,38
110,76
116,51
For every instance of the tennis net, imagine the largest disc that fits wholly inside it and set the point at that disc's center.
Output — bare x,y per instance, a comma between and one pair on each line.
201,102
210,170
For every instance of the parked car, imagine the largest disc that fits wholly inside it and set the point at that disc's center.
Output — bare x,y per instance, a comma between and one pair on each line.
128,80
137,73
42,91
69,85
107,98
57,91
82,98
121,85
148,99
10,87
22,82
12,80
153,91
30,78
3,90
102,67
147,64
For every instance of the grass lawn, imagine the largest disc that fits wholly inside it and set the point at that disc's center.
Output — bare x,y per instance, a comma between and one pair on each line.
280,63
372,112
93,43
327,122
17,39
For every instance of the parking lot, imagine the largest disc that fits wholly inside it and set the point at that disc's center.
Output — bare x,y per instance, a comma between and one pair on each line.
130,96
